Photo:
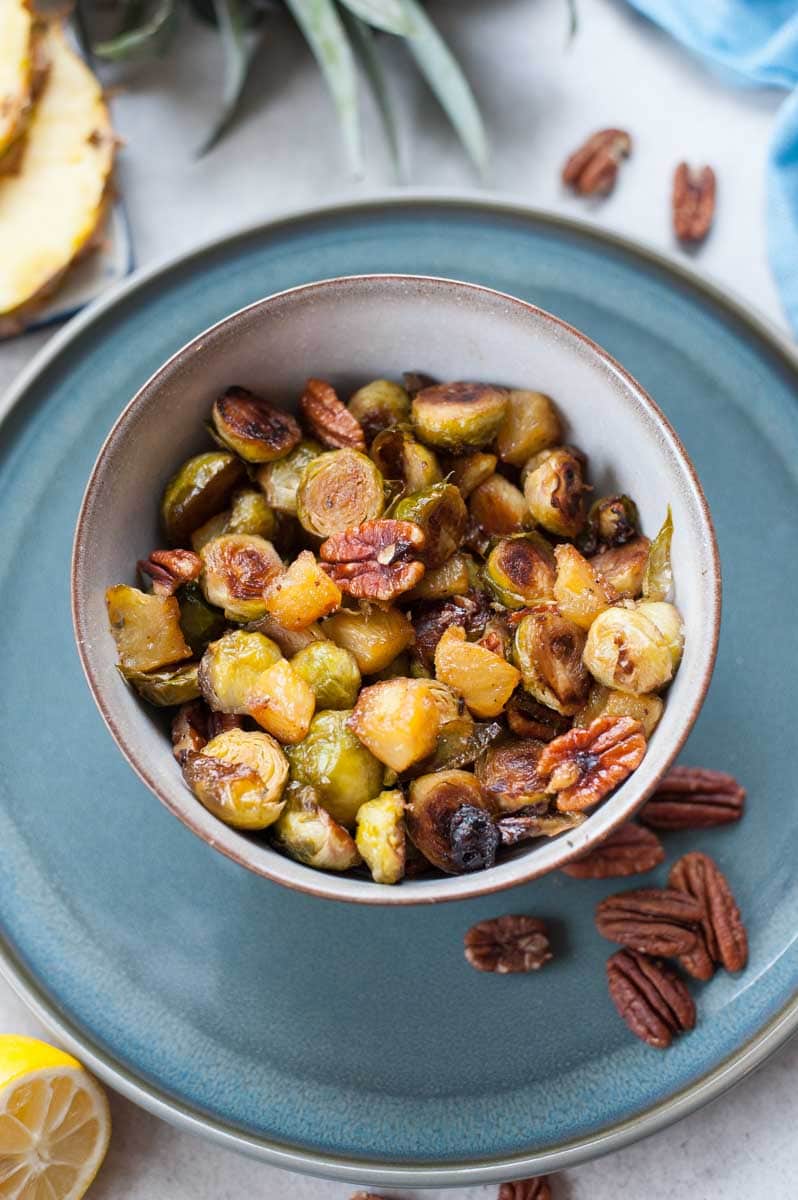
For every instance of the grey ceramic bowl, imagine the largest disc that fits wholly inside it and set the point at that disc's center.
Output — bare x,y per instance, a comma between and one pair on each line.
351,330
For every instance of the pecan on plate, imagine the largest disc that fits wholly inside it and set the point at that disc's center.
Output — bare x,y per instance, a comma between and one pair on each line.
628,850
593,168
658,921
699,876
168,569
530,719
694,798
652,999
329,419
584,765
374,561
693,202
508,945
526,1189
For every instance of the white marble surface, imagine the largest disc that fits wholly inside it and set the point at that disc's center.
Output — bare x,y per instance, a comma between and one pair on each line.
540,99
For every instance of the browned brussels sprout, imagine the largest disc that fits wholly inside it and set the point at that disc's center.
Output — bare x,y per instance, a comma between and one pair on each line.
172,685
330,671
440,513
548,650
635,649
458,416
235,570
521,570
555,489
450,822
531,424
508,773
248,513
240,778
279,480
381,836
497,508
602,702
460,743
306,831
452,578
468,471
189,731
528,718
379,405
338,490
197,492
403,460
611,521
332,760
231,667
201,624
146,628
624,567
252,427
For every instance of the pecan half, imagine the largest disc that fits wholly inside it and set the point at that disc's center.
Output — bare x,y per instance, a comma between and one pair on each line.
699,876
652,999
330,419
693,202
529,719
593,168
584,765
658,921
168,569
694,798
629,850
374,561
526,1189
508,945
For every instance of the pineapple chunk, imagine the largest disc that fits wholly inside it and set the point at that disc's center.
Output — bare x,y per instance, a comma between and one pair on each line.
302,595
398,720
581,593
50,211
146,628
605,702
282,703
381,836
374,638
484,679
623,567
16,70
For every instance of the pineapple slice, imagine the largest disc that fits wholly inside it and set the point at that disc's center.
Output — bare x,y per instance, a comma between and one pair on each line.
16,71
146,628
485,680
51,210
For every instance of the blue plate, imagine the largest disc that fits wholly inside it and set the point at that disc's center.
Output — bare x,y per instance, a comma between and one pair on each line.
356,1042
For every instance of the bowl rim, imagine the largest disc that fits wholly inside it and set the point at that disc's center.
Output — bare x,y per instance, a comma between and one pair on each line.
326,885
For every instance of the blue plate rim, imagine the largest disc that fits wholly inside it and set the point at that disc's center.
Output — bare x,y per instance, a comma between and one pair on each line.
714,1083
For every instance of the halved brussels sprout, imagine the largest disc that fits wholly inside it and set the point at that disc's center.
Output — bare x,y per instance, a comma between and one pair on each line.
458,416
668,621
441,514
174,685
468,471
248,513
658,577
548,649
624,567
282,703
602,702
555,488
302,595
611,521
338,490
231,667
236,568
239,777
146,628
256,430
398,720
308,833
197,492
580,590
449,820
521,570
528,718
626,650
381,836
451,578
330,671
332,760
374,638
531,424
497,507
201,624
379,405
403,460
482,678
279,480
509,775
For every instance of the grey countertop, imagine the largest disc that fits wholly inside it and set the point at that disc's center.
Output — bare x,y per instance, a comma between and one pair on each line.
540,100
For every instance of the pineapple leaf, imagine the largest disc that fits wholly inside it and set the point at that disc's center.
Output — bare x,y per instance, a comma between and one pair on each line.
382,14
446,79
321,24
366,50
573,19
150,34
239,49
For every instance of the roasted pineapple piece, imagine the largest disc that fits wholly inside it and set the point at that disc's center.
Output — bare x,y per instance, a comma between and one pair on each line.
282,703
374,638
484,679
302,595
398,720
381,836
624,567
146,628
602,702
580,590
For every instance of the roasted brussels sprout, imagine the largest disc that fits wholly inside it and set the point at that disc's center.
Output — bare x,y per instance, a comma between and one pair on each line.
624,567
379,405
197,492
468,471
381,836
580,590
508,773
497,507
531,424
404,461
414,381
146,628
440,513
460,743
452,578
248,513
668,621
236,568
338,490
548,650
302,595
605,703
307,832
282,703
200,622
173,685
189,732
528,718
458,416
520,570
398,720
627,650
374,638
344,773
484,679
252,427
611,521
330,671
555,488
231,667
658,577
448,819
279,480
240,778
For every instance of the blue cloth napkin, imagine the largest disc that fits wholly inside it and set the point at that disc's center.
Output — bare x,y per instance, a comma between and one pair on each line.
758,41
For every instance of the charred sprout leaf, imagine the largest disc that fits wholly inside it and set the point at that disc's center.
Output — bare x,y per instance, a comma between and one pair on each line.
338,490
374,638
580,590
555,489
431,620
332,760
166,687
441,515
449,821
279,480
626,650
528,718
239,777
307,832
508,773
231,667
146,629
302,595
282,703
602,702
611,521
520,826
623,567
331,672
498,508
378,406
236,568
404,461
458,416
256,430
548,650
484,679
460,743
381,836
658,577
468,471
398,720
197,492
521,570
531,424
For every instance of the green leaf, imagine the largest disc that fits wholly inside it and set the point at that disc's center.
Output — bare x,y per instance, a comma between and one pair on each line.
321,24
366,50
382,14
658,577
150,35
239,50
573,19
444,75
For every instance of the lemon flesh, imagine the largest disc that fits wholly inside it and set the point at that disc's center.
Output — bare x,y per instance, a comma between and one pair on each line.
16,68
